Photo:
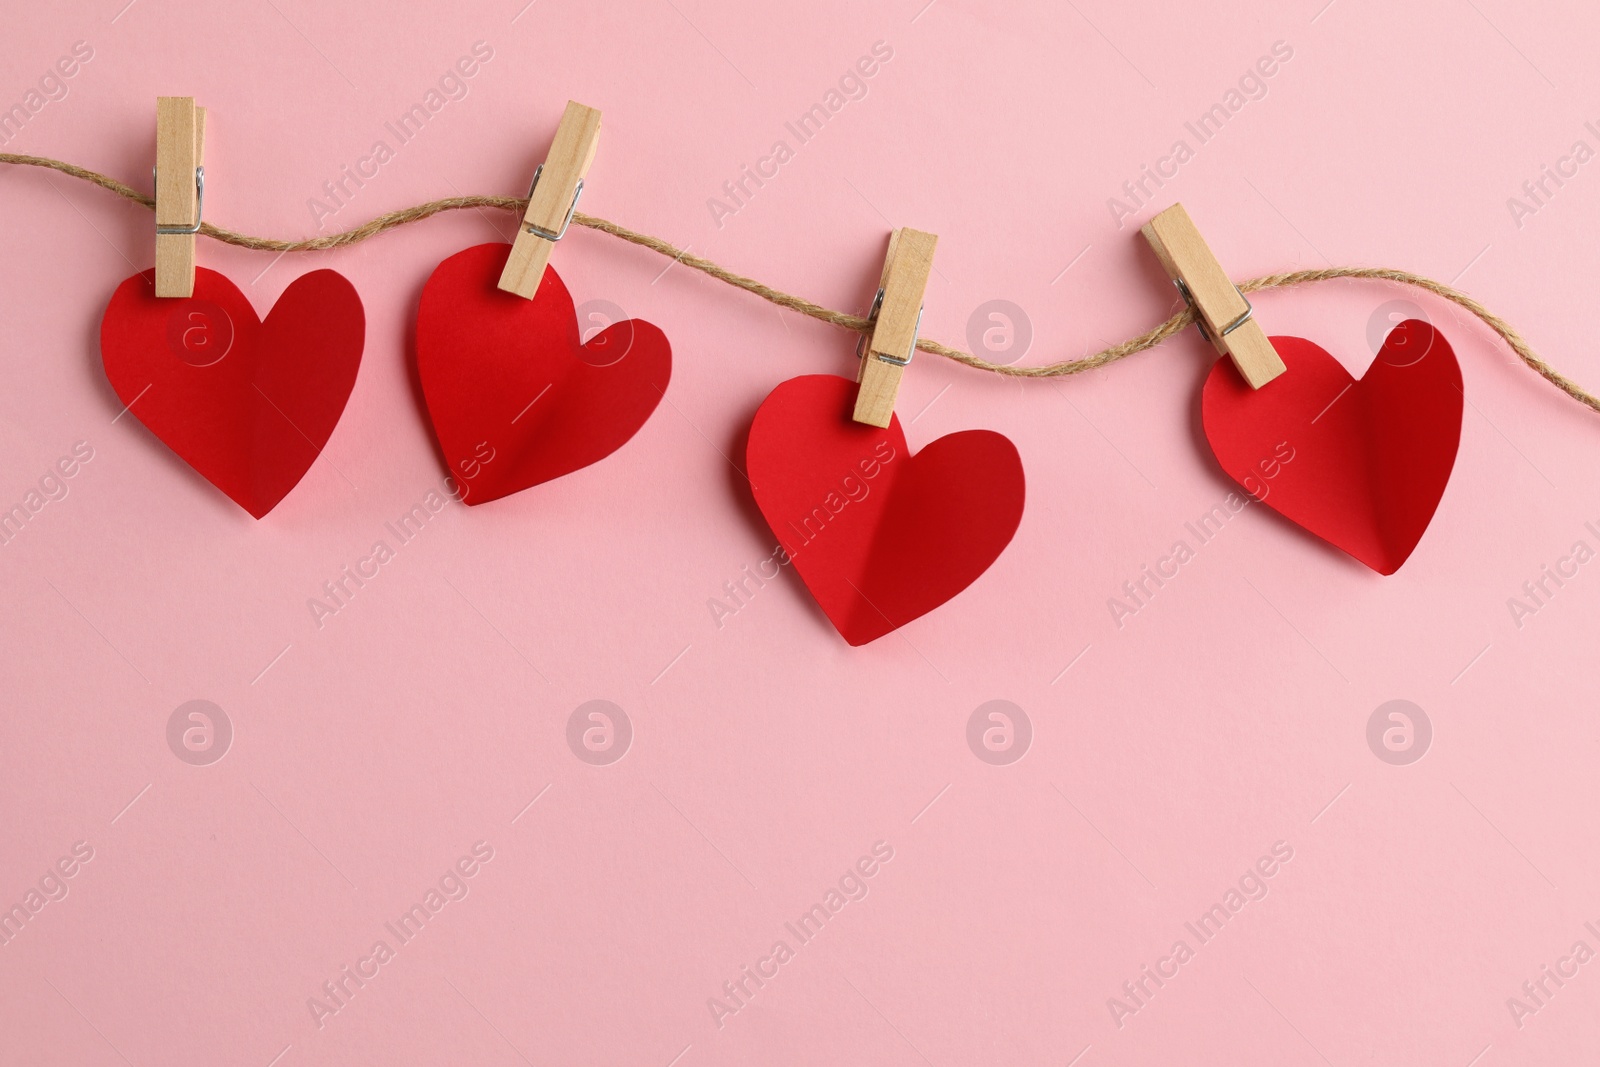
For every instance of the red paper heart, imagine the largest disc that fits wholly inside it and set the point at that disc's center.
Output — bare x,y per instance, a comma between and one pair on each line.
247,403
879,536
507,377
1368,459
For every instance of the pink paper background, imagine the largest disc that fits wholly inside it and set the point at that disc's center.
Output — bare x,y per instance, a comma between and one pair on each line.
1167,755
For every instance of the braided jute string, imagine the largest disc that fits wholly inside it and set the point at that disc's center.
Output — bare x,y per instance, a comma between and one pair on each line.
1148,339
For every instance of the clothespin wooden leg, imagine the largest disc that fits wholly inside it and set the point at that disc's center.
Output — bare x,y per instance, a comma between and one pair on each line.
1222,312
896,315
552,199
180,148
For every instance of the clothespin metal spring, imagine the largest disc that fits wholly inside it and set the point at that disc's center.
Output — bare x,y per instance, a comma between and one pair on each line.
884,357
540,231
200,203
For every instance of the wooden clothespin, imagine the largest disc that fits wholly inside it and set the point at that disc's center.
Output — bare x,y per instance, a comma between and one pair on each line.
896,316
552,199
1220,309
180,191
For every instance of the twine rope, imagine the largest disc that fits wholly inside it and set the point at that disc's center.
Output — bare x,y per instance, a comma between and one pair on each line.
1149,339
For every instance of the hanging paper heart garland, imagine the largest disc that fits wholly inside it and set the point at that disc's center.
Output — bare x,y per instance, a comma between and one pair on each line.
1368,458
510,374
879,536
246,402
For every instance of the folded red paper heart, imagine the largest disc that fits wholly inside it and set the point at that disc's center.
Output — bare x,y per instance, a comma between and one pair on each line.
1367,459
246,402
880,536
511,378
